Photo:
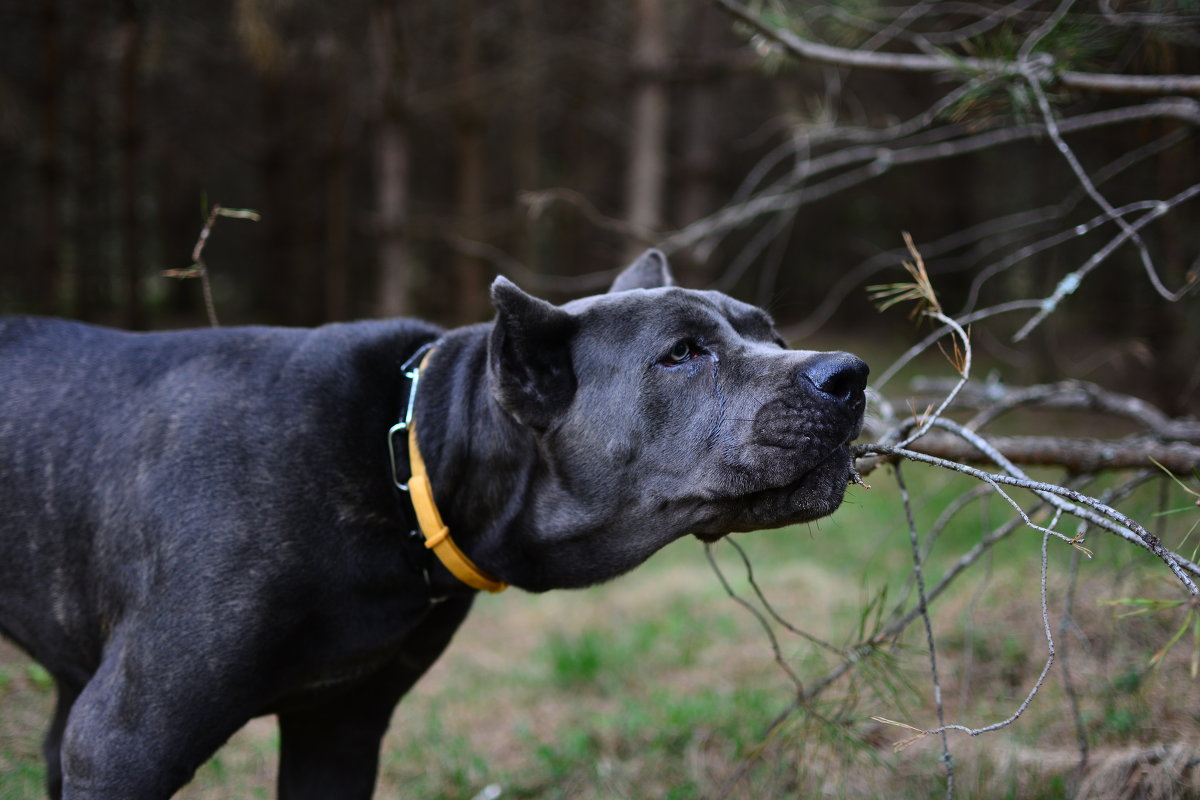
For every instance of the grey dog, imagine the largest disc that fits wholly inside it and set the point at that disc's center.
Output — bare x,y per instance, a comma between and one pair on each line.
200,527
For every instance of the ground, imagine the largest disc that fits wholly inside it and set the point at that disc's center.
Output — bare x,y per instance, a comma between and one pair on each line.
660,685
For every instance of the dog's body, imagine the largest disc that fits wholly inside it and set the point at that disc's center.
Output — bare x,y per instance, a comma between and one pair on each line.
201,527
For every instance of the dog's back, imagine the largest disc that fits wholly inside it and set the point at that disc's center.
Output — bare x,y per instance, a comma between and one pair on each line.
92,422
120,452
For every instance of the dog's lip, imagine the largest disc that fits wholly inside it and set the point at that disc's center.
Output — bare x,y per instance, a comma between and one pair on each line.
787,489
843,449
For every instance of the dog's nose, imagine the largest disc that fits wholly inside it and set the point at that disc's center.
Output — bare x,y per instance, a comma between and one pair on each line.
841,376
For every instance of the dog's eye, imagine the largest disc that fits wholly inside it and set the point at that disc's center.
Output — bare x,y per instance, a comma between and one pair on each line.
683,350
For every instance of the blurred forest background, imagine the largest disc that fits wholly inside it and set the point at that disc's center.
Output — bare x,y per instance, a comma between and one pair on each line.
1043,156
402,154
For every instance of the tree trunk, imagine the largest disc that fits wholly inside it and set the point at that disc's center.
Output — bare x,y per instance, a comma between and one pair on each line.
130,148
337,231
469,270
94,296
700,132
44,283
645,185
275,269
525,142
396,267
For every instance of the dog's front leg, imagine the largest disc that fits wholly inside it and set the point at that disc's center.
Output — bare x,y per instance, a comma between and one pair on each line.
332,749
68,691
156,709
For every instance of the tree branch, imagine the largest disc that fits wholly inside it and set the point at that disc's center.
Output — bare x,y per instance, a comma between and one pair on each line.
997,68
995,399
1090,509
873,161
1076,455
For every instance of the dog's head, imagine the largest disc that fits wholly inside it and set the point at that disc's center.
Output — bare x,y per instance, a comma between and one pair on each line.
661,411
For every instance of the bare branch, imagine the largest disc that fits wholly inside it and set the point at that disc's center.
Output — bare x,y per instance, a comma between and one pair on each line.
1076,455
988,19
995,399
1130,84
1107,517
1099,177
199,269
996,68
986,238
877,160
923,610
1090,188
537,201
1006,225
819,53
758,615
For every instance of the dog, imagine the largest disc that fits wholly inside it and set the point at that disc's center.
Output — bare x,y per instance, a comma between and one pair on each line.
200,527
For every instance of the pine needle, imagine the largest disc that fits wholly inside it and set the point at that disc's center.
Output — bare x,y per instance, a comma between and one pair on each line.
920,290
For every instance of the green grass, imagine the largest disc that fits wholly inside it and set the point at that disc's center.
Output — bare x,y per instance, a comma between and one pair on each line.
21,779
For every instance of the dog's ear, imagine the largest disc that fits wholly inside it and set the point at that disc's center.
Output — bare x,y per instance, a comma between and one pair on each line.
650,271
529,357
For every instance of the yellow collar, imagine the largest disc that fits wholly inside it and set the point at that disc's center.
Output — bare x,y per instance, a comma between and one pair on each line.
437,535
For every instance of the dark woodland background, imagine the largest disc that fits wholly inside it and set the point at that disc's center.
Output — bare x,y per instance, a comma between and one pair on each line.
403,153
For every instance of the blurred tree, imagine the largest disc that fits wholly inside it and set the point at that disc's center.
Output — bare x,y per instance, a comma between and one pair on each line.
94,263
381,139
645,187
390,145
470,165
131,141
46,276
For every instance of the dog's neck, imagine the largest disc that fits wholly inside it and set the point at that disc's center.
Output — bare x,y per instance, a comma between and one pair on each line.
432,526
454,390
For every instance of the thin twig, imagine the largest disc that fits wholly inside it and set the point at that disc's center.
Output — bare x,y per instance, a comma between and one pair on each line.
199,269
1075,454
1099,177
964,371
1049,24
1035,84
923,608
948,514
775,615
1072,280
929,340
758,615
1081,736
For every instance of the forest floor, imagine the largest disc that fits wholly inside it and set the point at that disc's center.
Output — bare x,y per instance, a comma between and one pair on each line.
658,685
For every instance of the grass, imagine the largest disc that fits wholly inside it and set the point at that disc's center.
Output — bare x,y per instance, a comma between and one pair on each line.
658,685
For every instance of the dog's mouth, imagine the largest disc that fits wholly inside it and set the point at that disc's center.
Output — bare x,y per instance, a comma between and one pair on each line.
816,493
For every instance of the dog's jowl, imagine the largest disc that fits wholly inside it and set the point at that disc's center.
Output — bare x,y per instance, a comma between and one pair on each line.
200,527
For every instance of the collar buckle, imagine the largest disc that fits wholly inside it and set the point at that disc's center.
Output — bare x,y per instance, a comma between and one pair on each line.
412,371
